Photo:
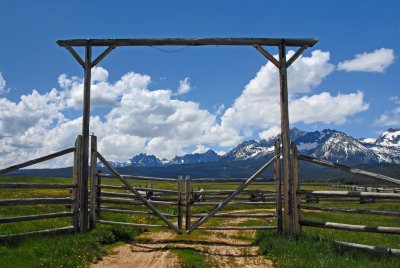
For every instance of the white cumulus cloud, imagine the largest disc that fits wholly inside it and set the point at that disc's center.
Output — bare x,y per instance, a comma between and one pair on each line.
184,86
326,108
392,117
258,106
200,149
135,119
269,133
376,61
2,84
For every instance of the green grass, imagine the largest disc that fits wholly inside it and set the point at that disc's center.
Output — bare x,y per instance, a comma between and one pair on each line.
68,250
191,258
61,250
313,251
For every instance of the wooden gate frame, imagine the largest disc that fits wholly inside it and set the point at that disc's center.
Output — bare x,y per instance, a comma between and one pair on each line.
223,203
96,155
282,64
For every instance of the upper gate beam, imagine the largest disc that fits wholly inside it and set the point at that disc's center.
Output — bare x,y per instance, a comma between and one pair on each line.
296,42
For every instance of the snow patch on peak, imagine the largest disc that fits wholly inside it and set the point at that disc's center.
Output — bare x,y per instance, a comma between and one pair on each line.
307,146
390,137
367,140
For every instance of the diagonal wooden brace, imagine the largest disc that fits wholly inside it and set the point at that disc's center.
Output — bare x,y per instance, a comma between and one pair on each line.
232,195
138,195
296,55
267,55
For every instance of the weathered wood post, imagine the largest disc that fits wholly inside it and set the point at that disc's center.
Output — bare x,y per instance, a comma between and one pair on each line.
287,223
180,203
278,187
294,192
98,194
85,138
93,180
187,201
76,178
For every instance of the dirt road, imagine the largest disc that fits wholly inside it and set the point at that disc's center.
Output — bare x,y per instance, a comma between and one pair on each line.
160,249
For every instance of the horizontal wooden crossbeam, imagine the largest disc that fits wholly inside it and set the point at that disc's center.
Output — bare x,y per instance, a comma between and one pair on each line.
299,42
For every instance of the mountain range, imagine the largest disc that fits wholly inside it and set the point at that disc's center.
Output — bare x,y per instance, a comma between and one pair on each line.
331,145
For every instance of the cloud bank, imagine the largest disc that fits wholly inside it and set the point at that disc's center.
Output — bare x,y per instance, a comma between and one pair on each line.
376,61
129,118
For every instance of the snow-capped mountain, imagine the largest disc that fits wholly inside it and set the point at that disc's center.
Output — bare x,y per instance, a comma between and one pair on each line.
390,137
386,146
144,160
209,156
327,144
338,147
251,149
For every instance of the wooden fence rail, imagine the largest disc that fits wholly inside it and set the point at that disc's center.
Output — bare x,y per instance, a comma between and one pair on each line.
36,186
366,194
35,201
138,178
348,169
353,210
36,217
68,229
72,201
154,190
351,227
133,212
37,160
227,215
351,194
138,225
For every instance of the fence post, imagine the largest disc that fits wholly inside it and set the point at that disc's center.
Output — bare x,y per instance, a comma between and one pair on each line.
188,200
180,203
76,178
278,187
295,187
98,194
93,175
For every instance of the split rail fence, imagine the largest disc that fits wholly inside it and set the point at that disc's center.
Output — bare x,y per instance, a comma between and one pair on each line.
179,205
70,202
363,195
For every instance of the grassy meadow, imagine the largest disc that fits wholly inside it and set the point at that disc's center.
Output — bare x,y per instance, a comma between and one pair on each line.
316,247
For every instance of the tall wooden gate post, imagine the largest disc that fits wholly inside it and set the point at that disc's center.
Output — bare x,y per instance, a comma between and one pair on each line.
76,178
188,199
180,203
85,139
282,65
278,187
294,193
288,226
93,180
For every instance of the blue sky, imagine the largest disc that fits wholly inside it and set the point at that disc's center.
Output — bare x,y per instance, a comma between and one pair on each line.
228,94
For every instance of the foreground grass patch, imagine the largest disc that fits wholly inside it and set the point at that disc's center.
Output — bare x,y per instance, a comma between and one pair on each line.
312,251
191,258
68,250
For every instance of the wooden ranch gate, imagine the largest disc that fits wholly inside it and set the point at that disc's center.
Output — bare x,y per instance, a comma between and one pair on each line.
132,197
85,205
183,197
258,43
